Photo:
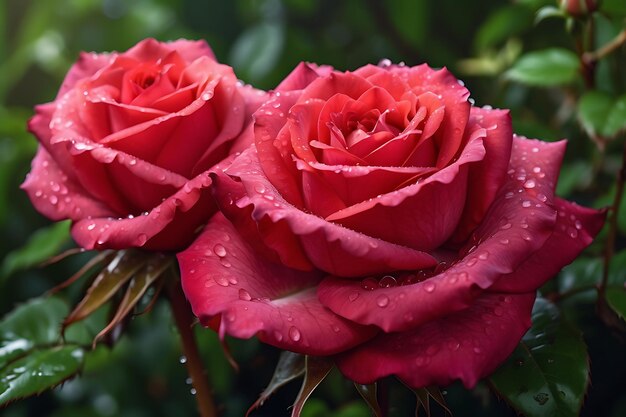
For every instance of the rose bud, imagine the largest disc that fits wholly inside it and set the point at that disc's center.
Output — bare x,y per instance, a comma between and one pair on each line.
579,8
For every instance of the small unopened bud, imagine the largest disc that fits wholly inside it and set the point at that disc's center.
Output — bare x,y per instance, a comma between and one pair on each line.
579,8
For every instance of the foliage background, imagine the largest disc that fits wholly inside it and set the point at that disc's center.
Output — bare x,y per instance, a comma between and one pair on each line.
263,40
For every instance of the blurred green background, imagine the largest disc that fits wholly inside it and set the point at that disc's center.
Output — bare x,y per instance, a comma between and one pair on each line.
263,40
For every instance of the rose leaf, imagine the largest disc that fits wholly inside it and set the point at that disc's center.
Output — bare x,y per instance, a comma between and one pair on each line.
548,67
616,299
548,373
32,358
38,371
43,244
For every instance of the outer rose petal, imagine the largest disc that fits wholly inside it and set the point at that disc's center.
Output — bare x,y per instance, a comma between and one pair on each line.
575,229
518,224
486,177
151,49
170,225
56,196
330,247
222,276
467,345
302,75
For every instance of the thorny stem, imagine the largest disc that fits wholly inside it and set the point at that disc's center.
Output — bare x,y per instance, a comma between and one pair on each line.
615,43
195,368
612,234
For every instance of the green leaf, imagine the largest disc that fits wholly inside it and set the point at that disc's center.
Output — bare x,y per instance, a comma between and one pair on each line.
410,17
257,50
616,299
503,24
35,323
547,375
593,110
601,114
43,244
616,119
290,366
545,68
31,356
38,371
547,12
614,8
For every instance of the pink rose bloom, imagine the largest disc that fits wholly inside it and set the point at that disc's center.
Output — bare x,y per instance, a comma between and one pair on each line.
385,220
126,145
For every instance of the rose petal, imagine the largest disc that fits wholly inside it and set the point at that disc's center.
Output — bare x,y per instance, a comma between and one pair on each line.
438,199
55,195
151,49
170,225
517,225
467,345
330,247
575,229
486,177
302,75
424,79
87,65
222,276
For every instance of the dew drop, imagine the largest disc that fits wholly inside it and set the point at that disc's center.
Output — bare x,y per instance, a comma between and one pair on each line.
578,225
244,295
182,359
541,398
259,188
454,345
526,203
222,281
530,184
142,239
193,391
278,335
91,226
294,334
429,287
382,301
387,281
53,199
483,256
505,226
353,296
504,241
369,284
219,250
477,350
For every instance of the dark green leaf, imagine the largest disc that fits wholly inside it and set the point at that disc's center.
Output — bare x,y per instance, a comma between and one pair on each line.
616,119
369,394
547,375
593,110
616,299
257,50
545,68
44,244
547,12
501,25
36,323
614,8
290,366
410,17
40,370
317,368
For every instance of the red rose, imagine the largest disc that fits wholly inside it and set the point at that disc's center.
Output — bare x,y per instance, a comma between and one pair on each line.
126,145
424,224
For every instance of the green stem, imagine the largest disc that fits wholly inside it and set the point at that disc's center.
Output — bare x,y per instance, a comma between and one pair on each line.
613,229
184,320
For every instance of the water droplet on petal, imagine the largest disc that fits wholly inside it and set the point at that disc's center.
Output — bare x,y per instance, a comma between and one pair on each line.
222,281
294,334
353,296
244,295
429,287
382,301
219,250
369,284
278,335
142,239
530,184
526,203
387,281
